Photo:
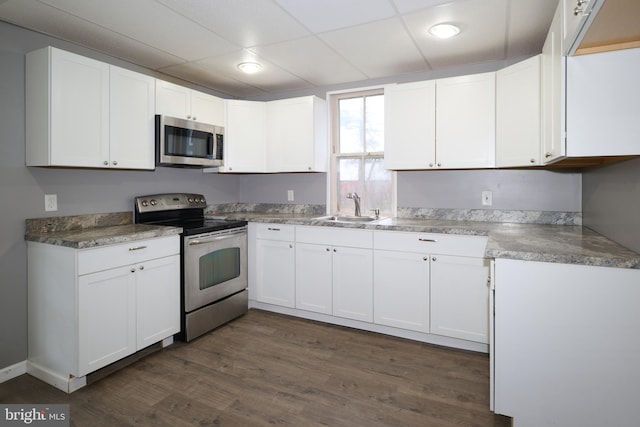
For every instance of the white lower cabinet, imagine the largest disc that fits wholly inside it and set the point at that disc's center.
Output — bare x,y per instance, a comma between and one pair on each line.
334,272
431,287
353,283
274,273
91,307
432,283
314,265
401,290
460,297
566,344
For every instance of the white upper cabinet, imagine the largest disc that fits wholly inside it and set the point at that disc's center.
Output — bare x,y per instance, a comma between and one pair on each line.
245,137
184,103
297,135
410,125
603,112
85,113
465,121
67,110
443,124
288,135
518,114
131,112
553,84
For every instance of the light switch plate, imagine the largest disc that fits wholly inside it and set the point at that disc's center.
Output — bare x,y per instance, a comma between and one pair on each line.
290,195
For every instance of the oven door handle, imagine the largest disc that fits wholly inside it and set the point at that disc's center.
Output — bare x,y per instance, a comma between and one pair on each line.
215,239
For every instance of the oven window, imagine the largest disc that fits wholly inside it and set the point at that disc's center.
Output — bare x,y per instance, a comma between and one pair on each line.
219,266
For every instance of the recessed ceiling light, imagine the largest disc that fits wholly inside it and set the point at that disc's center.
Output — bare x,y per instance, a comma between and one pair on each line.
444,31
249,67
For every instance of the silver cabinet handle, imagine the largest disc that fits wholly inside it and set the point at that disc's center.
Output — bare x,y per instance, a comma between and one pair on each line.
141,267
137,248
433,259
547,155
106,163
133,270
115,162
426,258
427,240
273,229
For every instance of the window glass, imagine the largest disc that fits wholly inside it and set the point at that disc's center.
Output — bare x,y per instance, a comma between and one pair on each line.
358,154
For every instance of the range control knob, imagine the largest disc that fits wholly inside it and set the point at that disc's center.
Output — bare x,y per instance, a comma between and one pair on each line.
145,203
201,199
190,200
153,202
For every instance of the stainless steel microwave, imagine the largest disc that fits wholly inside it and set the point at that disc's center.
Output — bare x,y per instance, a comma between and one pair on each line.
186,143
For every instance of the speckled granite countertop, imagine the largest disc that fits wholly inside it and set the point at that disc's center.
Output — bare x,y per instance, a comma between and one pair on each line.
567,244
88,231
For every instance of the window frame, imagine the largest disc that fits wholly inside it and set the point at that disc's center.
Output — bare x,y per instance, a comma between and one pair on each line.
334,134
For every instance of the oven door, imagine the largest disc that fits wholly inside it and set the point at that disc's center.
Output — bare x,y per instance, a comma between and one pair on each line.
215,266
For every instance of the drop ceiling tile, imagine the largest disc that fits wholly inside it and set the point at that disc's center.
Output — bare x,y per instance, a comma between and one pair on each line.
405,6
200,75
51,21
151,23
482,35
246,23
378,49
524,35
270,78
327,15
312,60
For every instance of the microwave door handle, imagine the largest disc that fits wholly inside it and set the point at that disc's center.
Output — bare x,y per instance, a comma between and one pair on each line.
215,239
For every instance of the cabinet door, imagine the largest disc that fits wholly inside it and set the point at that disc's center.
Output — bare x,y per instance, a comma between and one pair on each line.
245,136
460,297
410,125
465,121
275,271
131,124
290,135
553,91
313,278
207,108
353,283
79,111
173,100
518,114
157,300
106,318
602,104
401,290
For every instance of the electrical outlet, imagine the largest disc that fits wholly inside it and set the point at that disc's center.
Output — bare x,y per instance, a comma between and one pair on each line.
290,195
50,202
487,198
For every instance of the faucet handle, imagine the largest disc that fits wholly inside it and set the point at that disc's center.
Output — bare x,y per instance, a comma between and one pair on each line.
376,212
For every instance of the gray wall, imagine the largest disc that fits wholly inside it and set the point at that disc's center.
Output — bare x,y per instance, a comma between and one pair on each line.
22,189
538,190
611,202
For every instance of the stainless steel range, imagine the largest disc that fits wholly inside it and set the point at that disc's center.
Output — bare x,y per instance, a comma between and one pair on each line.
214,259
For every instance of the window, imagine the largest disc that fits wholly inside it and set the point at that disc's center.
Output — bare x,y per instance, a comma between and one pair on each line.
357,161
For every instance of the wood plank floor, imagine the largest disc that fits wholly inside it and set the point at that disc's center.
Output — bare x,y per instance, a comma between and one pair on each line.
267,369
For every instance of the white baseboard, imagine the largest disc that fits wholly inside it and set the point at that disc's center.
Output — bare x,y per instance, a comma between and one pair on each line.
66,384
13,371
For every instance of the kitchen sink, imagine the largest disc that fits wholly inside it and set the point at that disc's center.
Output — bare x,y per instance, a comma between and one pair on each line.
347,218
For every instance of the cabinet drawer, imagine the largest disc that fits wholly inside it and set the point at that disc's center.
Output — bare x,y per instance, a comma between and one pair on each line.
348,237
282,232
472,246
105,257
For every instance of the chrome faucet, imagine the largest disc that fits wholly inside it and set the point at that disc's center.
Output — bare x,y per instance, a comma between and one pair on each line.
356,202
